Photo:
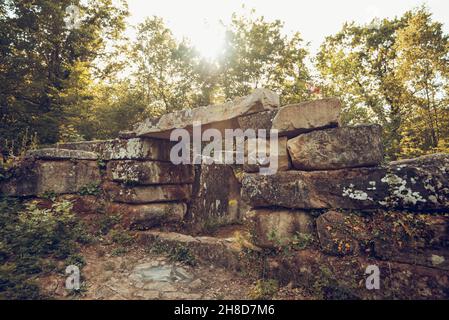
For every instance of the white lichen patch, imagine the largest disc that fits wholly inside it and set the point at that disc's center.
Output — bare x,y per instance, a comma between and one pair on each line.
433,199
355,194
437,260
372,186
132,149
399,190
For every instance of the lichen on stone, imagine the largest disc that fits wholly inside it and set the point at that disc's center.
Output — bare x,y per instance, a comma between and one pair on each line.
355,194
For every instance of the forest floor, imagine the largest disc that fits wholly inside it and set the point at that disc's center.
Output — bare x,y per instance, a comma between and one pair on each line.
139,275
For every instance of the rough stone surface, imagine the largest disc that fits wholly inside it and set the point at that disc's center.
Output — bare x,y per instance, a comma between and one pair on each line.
259,100
341,235
338,148
273,228
147,194
251,155
57,154
125,149
60,177
149,172
344,277
220,252
299,118
419,184
256,121
147,216
215,197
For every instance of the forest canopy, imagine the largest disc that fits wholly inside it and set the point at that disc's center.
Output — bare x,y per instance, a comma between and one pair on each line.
60,84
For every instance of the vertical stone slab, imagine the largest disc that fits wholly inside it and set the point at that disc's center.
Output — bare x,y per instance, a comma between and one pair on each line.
216,197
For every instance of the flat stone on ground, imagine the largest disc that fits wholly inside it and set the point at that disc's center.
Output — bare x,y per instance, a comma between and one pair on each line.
147,216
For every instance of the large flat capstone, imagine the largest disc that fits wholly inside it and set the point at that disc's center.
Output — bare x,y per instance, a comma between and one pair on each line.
303,117
419,184
337,148
222,116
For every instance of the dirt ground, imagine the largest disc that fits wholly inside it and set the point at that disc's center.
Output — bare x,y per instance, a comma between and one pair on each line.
139,275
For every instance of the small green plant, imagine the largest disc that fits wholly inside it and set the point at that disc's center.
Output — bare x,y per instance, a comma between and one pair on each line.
302,241
49,195
75,259
31,239
91,189
107,222
326,286
177,252
264,289
121,237
120,251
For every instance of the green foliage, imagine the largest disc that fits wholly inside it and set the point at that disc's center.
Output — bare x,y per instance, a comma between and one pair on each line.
392,72
92,189
46,69
302,241
30,238
326,286
119,251
176,252
107,222
264,289
121,237
257,54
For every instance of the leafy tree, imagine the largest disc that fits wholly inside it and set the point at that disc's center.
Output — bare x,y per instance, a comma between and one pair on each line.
44,66
257,54
369,67
423,68
165,69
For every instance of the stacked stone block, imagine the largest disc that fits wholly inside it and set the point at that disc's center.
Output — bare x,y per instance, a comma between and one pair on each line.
399,222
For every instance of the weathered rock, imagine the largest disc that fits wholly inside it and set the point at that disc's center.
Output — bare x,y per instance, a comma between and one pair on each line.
420,239
125,149
420,184
59,177
212,116
221,252
84,204
345,277
58,154
216,197
338,148
299,118
256,121
399,236
147,194
341,234
147,216
149,172
251,155
274,228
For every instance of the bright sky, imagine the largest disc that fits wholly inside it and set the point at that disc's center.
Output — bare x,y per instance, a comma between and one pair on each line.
199,20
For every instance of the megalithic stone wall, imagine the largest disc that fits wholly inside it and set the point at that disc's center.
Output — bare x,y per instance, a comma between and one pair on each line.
334,203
